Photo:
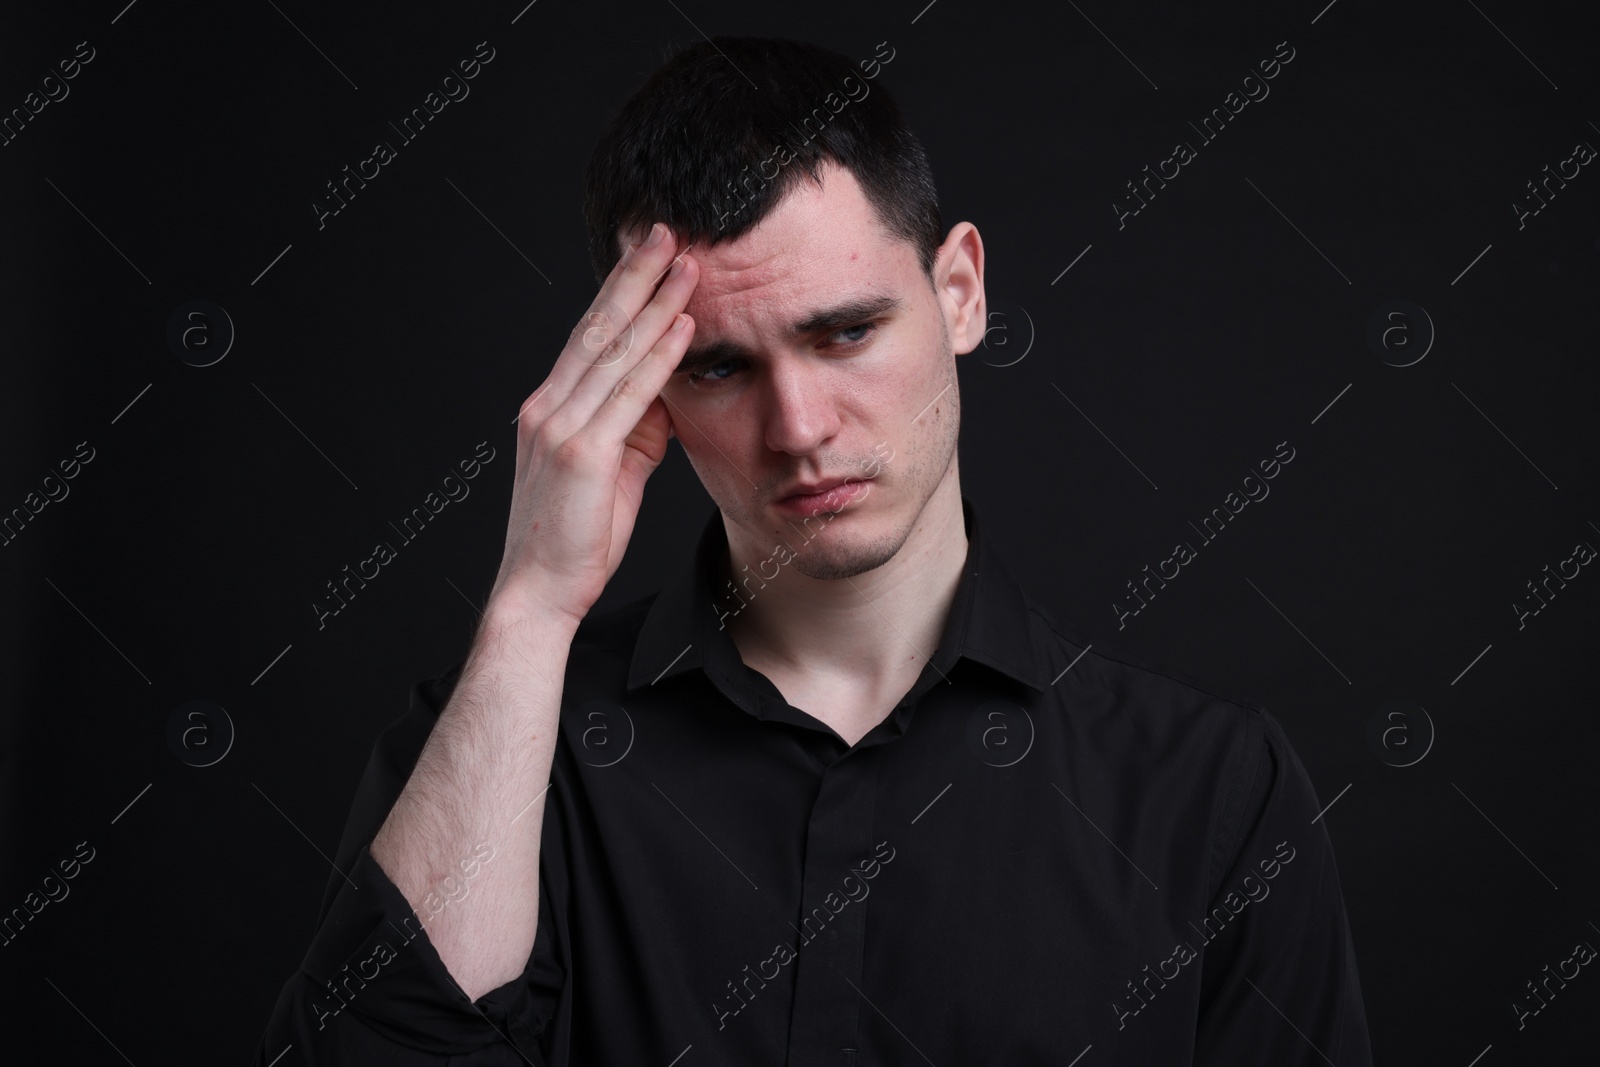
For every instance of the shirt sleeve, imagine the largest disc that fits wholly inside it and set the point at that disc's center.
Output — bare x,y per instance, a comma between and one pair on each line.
372,988
1279,982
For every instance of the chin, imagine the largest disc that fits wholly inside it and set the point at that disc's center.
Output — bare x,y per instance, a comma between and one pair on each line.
833,551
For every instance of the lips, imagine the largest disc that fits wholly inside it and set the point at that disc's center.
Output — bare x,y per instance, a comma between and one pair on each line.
830,495
814,488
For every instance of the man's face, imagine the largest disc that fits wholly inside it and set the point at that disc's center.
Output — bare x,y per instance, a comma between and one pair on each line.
822,353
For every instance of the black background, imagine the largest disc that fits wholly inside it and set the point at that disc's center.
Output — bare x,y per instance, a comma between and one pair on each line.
378,351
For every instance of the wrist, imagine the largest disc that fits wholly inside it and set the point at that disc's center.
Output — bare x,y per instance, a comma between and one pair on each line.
523,610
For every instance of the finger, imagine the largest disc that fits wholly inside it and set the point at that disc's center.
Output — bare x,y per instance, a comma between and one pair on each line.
646,445
609,330
633,281
597,386
628,290
624,407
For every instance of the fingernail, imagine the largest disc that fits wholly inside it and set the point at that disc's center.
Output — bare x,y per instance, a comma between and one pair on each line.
657,232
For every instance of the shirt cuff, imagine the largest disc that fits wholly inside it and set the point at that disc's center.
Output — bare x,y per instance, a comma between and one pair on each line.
372,958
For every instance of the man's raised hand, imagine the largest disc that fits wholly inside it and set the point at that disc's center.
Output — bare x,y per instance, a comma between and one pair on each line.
594,431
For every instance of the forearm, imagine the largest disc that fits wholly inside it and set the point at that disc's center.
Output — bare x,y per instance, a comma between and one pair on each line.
481,779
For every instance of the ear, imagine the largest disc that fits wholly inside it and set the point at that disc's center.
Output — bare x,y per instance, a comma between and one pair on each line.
958,284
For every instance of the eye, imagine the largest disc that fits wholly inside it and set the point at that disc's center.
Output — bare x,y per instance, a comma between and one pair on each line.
698,376
870,328
709,375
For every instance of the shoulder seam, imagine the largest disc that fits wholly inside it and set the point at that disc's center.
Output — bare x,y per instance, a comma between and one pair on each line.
1257,723
1176,677
1232,811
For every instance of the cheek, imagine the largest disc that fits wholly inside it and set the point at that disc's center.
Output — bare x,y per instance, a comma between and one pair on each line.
715,450
911,399
920,413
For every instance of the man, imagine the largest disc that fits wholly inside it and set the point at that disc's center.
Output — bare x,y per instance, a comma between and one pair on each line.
840,794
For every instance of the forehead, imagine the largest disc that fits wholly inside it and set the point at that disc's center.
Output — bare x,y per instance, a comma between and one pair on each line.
819,246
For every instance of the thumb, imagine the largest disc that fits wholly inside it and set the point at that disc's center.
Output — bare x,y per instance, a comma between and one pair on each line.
649,438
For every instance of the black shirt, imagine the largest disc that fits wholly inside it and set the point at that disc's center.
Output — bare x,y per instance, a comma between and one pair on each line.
1045,851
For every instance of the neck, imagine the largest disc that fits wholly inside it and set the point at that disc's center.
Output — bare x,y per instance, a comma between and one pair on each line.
874,629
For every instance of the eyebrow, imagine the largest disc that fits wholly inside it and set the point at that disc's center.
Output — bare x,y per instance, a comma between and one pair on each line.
840,316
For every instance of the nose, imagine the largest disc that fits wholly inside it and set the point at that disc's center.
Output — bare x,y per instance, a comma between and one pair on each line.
800,413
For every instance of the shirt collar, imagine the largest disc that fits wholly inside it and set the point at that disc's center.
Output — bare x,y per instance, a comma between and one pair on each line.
988,623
